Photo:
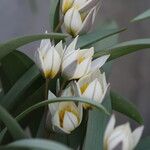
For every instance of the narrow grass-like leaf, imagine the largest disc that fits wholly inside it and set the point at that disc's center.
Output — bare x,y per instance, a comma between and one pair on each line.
95,128
19,87
13,127
124,48
144,144
38,144
11,45
125,107
61,99
54,13
13,66
143,16
93,37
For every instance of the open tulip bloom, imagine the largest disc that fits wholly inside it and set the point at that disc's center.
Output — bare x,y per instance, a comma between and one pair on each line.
93,86
78,63
79,15
121,137
64,117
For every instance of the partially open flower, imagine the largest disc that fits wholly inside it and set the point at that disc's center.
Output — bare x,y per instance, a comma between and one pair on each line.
121,137
78,63
48,58
65,116
93,86
81,15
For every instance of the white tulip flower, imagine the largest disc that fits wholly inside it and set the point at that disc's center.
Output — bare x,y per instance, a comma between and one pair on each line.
65,116
48,58
80,18
121,137
78,63
93,86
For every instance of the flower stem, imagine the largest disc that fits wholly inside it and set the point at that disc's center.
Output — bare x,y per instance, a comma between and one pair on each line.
59,24
46,88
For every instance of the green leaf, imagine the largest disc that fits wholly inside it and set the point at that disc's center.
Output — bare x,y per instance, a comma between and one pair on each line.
11,45
36,144
13,127
93,37
144,144
19,87
144,15
124,48
125,107
10,74
54,13
96,127
61,99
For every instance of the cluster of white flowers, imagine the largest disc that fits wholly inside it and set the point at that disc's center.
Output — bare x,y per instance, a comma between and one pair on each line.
83,75
79,15
76,66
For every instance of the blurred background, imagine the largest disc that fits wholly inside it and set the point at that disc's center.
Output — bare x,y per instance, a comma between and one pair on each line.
130,74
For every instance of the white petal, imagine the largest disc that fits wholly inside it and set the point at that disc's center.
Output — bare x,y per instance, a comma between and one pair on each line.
70,121
72,45
86,53
82,69
96,9
109,128
99,62
87,23
88,5
93,91
136,135
76,22
59,48
67,19
79,3
39,61
54,106
52,62
121,134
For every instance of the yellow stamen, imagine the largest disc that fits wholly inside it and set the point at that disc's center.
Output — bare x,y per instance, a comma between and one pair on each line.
84,87
67,108
80,59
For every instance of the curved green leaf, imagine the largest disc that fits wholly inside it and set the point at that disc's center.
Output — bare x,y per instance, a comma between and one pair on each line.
144,15
10,74
124,48
93,37
11,45
61,99
38,144
125,107
96,126
54,13
19,87
144,144
13,127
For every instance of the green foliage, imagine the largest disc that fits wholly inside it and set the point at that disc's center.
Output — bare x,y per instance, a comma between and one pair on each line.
13,127
125,107
144,144
124,48
143,16
11,45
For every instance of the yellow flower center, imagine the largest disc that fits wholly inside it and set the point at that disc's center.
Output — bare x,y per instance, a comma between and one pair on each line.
80,59
50,74
84,87
68,108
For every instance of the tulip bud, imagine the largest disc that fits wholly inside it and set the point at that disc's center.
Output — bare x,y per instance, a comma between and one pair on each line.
80,18
65,116
48,58
121,137
93,86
